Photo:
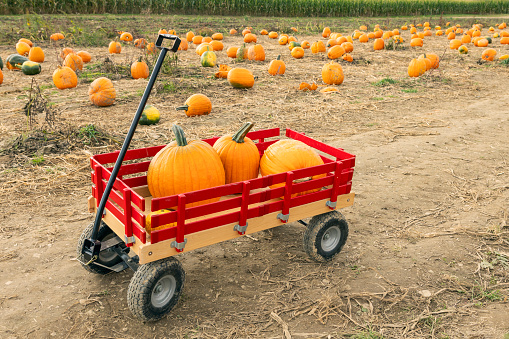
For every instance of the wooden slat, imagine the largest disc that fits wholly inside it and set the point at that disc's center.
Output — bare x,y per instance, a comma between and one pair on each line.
151,252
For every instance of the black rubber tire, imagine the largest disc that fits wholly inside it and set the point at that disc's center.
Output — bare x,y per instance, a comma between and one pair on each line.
318,228
142,294
107,258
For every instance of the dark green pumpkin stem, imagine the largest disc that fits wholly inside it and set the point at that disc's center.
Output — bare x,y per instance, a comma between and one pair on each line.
140,58
180,137
239,136
278,57
182,108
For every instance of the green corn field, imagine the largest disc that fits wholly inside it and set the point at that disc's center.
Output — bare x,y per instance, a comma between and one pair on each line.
279,8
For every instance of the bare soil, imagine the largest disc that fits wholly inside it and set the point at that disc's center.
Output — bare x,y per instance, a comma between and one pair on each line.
428,250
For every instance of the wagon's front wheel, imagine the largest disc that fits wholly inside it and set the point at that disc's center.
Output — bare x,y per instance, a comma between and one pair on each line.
325,236
155,289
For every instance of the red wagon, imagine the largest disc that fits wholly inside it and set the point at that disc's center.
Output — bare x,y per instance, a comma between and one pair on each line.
121,200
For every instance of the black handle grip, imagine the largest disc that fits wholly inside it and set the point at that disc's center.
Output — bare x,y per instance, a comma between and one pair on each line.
176,44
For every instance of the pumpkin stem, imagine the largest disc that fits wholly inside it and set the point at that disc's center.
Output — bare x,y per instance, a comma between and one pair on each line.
278,57
239,136
180,137
140,58
182,108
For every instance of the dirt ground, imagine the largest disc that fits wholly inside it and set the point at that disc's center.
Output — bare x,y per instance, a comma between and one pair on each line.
428,249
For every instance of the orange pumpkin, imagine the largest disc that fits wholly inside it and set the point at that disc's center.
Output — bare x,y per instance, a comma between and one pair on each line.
378,44
56,36
101,92
416,68
22,48
455,44
196,104
298,52
217,36
318,47
277,67
347,57
231,52
326,32
216,45
256,52
488,54
332,74
273,35
482,42
184,45
347,46
417,42
335,52
466,39
289,155
189,36
249,37
36,54
26,41
240,78
223,71
64,77
197,39
233,31
85,56
305,44
264,32
184,166
73,61
114,47
435,60
239,155
126,36
139,69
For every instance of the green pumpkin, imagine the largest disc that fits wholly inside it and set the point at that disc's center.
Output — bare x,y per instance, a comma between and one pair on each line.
1,64
208,59
150,116
489,39
31,68
14,61
293,44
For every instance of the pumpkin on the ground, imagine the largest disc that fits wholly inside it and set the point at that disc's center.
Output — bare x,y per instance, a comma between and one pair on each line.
239,155
416,68
277,67
126,36
335,52
297,52
36,54
139,69
288,155
240,78
318,47
463,49
231,52
101,92
332,74
64,77
488,54
149,116
14,61
73,61
22,48
114,47
435,60
196,104
256,52
208,59
56,36
85,56
183,166
31,68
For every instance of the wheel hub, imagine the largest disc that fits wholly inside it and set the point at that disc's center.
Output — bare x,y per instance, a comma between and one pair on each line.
163,291
330,238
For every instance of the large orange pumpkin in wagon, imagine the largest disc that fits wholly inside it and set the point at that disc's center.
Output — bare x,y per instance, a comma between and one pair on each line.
184,166
101,92
288,155
239,155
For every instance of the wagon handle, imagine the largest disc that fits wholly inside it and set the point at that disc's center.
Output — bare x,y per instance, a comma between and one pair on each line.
92,246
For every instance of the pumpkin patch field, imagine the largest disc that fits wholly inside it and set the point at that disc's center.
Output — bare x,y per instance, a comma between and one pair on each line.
422,102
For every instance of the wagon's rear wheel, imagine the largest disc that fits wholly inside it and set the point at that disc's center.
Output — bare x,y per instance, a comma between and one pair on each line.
155,289
325,236
106,258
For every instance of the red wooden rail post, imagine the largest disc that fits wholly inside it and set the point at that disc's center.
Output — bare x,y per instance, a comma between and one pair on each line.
99,183
129,238
335,186
285,213
180,241
241,227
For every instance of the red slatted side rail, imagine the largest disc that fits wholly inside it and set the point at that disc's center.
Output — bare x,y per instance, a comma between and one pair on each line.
134,168
136,181
338,153
118,184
